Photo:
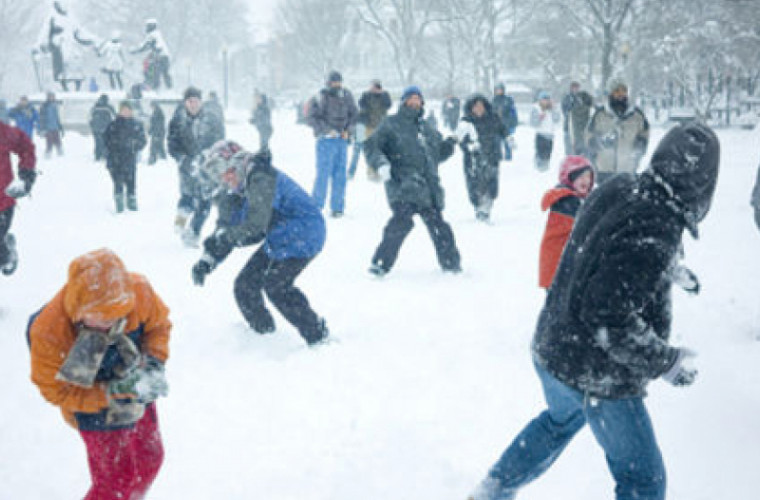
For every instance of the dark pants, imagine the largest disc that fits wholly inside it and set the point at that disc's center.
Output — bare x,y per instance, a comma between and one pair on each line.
157,149
100,146
544,145
482,179
399,226
6,217
265,133
275,277
53,139
114,78
160,69
757,217
123,177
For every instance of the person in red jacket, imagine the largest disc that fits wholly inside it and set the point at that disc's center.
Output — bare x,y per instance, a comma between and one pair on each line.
13,140
576,179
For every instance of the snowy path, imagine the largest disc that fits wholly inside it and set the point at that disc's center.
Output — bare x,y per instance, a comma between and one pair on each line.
431,376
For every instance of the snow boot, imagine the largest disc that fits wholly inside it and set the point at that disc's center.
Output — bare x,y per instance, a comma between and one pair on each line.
263,322
10,266
320,335
378,270
119,202
132,203
180,221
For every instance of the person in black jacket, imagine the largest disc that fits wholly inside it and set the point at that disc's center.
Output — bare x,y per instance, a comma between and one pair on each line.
450,110
504,107
124,138
101,115
192,131
262,120
157,133
480,135
603,332
405,152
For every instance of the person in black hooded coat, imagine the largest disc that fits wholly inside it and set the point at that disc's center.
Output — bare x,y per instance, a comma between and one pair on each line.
480,134
124,139
101,115
603,332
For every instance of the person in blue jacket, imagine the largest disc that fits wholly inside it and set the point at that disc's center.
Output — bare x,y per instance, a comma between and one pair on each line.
256,202
25,116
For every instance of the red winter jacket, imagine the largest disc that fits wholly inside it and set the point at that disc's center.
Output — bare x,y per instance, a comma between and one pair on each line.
562,203
13,140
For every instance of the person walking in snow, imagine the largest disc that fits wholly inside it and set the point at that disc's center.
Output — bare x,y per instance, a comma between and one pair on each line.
51,125
258,203
159,59
101,115
262,120
13,140
332,116
577,123
567,104
405,152
113,65
480,134
450,110
124,138
157,133
192,131
618,134
98,351
504,107
603,332
576,180
25,116
373,108
544,118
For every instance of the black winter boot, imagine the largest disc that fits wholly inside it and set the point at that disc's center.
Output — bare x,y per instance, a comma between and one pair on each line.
119,201
263,322
132,203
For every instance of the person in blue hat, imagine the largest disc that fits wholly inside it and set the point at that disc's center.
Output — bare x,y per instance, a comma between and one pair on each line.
405,152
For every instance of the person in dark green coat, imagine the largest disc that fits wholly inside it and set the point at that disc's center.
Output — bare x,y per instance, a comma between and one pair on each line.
405,152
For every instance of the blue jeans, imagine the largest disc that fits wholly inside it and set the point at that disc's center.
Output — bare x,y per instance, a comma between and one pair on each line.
621,427
331,166
357,149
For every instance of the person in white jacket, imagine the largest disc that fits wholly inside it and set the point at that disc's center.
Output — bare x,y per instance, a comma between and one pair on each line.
158,56
544,118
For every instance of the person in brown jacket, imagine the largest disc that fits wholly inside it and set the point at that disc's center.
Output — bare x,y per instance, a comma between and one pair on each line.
98,350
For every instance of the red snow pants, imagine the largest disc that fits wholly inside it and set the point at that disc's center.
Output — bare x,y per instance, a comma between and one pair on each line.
123,463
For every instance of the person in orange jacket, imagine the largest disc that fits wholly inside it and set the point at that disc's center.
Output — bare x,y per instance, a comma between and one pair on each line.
98,349
576,179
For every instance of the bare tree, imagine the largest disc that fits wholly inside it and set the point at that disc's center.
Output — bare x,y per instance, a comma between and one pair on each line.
404,25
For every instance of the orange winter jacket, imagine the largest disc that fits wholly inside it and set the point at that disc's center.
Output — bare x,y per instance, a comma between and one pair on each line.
564,203
98,285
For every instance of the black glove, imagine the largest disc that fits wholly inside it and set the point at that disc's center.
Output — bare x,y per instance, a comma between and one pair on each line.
608,140
28,177
201,269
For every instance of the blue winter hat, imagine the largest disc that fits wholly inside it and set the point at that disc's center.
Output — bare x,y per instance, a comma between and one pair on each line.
544,95
410,91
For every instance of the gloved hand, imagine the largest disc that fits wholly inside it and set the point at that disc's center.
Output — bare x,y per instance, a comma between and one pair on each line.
682,373
608,140
16,190
144,384
465,131
125,388
473,147
201,269
384,173
685,278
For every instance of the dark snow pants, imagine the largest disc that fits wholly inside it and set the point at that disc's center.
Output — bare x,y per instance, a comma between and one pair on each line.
401,224
157,149
191,200
275,277
482,179
6,217
100,146
123,177
123,463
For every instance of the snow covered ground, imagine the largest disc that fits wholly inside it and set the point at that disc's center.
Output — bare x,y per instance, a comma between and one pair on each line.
431,377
